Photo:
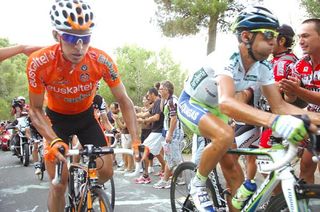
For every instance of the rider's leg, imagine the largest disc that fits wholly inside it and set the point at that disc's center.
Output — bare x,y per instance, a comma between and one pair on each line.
251,166
221,136
106,170
35,156
56,200
307,167
232,173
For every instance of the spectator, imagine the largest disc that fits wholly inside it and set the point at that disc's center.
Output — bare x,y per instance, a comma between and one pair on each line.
306,84
172,131
126,141
153,143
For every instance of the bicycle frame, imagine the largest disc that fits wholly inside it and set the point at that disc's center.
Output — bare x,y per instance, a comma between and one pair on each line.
284,175
90,181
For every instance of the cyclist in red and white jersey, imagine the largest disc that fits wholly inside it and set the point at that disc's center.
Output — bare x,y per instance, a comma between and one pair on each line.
67,73
283,57
282,64
306,84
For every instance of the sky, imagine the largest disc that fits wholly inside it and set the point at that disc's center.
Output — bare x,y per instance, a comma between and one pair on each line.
121,22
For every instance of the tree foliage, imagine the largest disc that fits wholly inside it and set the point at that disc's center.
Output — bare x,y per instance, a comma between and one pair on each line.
13,80
140,69
189,17
312,7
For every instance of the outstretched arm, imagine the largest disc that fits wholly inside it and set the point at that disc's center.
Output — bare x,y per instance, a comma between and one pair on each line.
11,51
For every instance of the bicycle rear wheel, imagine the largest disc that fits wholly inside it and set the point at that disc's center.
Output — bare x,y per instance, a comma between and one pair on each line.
309,199
179,192
100,201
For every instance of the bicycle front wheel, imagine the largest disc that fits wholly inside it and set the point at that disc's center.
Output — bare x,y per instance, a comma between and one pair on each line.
309,200
100,201
110,190
180,186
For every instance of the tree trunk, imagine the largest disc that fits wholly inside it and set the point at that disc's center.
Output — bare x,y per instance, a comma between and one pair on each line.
212,34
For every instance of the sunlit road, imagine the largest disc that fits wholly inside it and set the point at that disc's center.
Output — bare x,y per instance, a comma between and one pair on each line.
21,191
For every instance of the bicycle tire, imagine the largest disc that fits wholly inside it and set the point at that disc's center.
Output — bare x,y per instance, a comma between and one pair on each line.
25,156
183,202
110,190
311,194
102,204
42,165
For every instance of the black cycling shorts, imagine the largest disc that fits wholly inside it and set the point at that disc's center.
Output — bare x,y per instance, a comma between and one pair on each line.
84,125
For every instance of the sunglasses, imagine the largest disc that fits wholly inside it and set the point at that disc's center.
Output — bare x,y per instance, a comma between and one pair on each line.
268,34
74,38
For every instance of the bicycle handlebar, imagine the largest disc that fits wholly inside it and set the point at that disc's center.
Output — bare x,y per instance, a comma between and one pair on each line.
291,154
89,150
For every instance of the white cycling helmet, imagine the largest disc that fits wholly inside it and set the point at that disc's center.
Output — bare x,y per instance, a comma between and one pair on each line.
19,98
71,15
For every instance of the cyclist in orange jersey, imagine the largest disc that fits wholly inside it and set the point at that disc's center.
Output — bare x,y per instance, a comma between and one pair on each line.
68,73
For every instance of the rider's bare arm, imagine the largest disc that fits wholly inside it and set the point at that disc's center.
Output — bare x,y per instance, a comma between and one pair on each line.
245,95
280,106
38,117
240,111
11,51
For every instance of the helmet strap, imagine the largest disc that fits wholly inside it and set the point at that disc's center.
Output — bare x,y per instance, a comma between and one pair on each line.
249,47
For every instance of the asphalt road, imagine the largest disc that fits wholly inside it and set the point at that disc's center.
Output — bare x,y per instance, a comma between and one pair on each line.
21,191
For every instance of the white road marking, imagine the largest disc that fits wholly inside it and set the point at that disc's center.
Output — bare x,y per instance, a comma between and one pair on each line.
141,202
24,189
31,210
10,167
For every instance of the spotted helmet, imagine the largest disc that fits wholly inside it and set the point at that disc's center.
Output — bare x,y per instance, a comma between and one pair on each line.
255,17
71,15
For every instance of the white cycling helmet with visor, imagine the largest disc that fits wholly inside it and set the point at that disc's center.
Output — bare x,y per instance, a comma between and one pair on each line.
71,15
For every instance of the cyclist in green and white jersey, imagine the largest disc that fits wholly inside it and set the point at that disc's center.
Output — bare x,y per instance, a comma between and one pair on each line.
208,99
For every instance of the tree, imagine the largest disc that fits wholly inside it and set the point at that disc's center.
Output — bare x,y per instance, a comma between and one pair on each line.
189,17
312,7
140,69
13,80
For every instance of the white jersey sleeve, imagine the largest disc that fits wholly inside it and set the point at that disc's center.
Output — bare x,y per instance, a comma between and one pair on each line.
202,86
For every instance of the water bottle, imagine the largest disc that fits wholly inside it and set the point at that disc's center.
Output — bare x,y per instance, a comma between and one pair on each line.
244,193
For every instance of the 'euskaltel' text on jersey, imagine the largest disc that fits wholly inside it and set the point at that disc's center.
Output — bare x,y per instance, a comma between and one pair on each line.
202,86
70,87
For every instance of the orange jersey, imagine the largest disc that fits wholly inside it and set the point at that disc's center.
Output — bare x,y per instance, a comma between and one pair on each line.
70,87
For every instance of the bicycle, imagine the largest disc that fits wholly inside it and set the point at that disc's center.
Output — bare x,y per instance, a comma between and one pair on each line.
296,194
84,192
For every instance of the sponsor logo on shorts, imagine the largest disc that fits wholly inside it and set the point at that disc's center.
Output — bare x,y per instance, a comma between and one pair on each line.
188,112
